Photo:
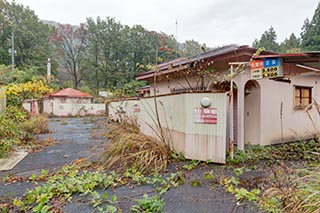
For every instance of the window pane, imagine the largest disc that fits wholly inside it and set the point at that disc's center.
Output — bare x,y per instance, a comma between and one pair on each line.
297,92
305,102
306,92
297,102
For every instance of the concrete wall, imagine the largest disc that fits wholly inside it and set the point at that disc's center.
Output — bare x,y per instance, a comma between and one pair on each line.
72,107
122,110
79,109
176,113
27,106
31,106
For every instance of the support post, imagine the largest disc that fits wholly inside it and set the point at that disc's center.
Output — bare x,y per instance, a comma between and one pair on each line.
231,108
240,105
240,141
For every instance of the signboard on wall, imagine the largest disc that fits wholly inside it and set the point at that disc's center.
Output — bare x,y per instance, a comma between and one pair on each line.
256,69
205,115
266,68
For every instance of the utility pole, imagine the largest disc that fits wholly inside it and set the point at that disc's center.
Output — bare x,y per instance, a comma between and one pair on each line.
48,70
176,38
12,51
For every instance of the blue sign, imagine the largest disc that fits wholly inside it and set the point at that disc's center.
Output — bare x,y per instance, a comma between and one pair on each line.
271,62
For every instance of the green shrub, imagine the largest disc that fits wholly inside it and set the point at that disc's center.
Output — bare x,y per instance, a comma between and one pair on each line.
9,133
16,126
6,147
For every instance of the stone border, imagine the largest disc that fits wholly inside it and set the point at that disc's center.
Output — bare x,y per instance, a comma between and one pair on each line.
12,161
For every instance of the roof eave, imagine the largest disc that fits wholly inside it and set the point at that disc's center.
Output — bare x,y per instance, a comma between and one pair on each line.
247,51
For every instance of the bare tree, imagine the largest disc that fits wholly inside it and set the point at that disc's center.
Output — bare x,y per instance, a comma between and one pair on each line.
70,42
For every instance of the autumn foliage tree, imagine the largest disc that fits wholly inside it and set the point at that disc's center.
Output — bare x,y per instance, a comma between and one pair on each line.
70,44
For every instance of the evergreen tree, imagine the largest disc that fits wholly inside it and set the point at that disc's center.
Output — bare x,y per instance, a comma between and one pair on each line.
290,45
311,32
268,41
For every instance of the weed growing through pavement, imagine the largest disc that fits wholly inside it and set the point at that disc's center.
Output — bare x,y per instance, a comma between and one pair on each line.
308,150
192,165
71,180
149,204
296,191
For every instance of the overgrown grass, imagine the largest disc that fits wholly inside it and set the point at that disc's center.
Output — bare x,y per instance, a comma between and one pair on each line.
131,149
298,191
308,150
37,124
287,189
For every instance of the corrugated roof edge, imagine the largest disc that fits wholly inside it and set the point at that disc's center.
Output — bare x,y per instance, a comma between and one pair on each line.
182,61
300,54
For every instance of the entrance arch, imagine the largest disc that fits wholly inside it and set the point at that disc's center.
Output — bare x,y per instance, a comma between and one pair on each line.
252,110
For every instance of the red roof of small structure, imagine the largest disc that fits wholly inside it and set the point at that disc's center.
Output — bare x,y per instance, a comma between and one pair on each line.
70,93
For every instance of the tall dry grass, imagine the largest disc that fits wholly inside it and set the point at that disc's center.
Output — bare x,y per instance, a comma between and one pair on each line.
37,124
131,149
306,196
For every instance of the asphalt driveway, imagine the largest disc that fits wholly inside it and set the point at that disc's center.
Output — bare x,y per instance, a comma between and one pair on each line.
83,138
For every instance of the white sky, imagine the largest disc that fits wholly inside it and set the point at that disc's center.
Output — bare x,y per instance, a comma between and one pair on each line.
214,22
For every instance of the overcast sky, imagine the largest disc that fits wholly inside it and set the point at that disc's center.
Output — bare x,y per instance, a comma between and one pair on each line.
214,22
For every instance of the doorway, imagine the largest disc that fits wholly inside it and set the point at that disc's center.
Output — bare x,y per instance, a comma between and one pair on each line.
252,110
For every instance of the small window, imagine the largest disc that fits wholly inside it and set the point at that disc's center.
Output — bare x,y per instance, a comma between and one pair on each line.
302,97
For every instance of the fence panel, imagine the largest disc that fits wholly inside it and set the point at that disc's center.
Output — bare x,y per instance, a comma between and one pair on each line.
201,138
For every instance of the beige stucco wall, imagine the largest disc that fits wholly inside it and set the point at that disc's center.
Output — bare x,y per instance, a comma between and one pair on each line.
295,123
259,119
252,107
